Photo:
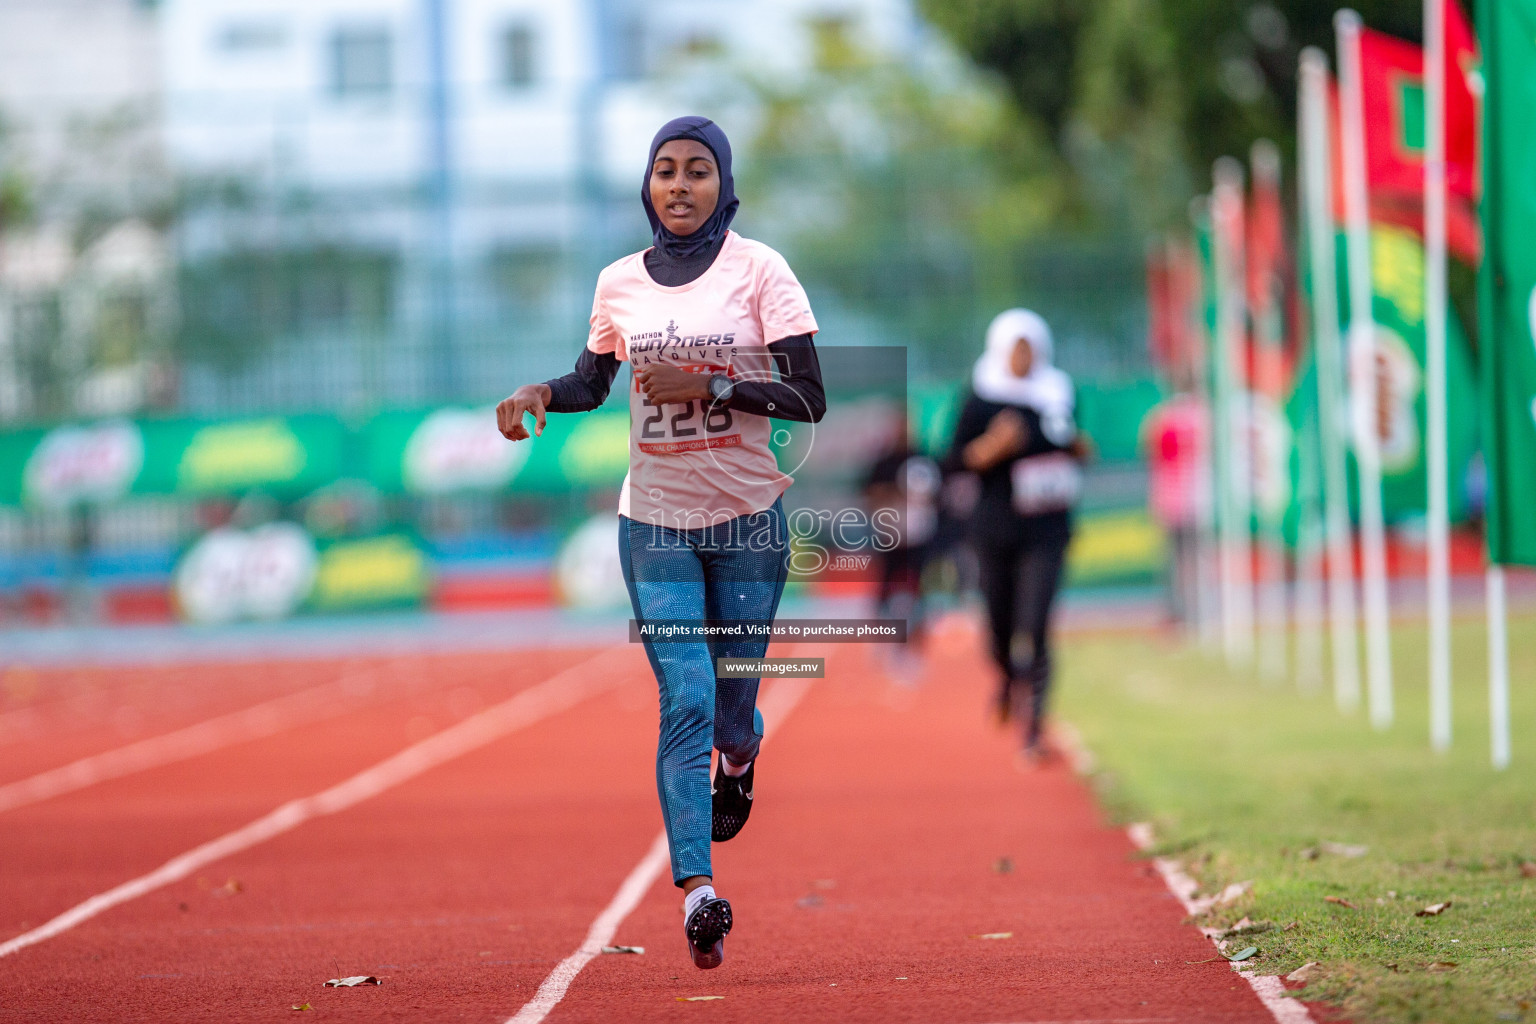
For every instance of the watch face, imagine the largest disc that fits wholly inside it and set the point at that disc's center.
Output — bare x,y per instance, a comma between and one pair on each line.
719,386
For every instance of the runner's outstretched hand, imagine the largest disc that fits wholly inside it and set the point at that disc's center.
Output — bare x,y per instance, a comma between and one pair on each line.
509,414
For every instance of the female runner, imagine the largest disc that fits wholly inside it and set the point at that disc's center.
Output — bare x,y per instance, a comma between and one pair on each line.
1017,433
717,332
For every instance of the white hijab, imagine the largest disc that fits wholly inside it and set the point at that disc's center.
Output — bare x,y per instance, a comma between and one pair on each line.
1044,388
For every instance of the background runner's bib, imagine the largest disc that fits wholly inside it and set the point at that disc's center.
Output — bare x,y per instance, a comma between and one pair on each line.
1046,483
694,463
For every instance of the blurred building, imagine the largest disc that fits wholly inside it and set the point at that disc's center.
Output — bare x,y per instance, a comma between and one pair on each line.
85,282
77,76
227,205
418,193
342,93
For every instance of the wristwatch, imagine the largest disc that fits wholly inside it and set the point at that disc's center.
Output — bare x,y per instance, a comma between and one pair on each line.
721,388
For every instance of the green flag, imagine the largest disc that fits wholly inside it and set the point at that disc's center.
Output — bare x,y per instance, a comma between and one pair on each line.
1397,308
1397,282
1508,277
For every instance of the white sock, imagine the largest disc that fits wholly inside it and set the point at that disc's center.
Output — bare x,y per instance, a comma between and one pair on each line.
693,899
733,770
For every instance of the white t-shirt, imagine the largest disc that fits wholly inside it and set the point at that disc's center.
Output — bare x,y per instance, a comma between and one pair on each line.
691,464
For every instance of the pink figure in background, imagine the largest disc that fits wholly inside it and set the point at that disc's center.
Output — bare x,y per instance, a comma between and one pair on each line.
1176,440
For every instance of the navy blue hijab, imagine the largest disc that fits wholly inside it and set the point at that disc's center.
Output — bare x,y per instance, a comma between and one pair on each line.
709,234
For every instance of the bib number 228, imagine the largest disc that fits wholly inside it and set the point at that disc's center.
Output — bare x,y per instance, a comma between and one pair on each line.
717,420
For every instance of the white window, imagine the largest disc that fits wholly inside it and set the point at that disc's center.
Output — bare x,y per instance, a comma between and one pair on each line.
362,62
518,59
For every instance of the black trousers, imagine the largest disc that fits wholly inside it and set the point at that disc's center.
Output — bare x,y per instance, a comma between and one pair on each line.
1019,579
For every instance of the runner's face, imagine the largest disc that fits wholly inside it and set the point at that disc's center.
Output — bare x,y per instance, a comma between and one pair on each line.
685,185
1023,358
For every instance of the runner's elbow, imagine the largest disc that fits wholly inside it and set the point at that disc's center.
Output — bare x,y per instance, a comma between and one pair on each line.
816,404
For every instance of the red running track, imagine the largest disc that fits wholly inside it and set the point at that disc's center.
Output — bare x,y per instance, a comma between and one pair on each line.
859,885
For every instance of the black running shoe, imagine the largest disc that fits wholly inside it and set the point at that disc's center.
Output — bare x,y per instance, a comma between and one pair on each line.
732,803
706,929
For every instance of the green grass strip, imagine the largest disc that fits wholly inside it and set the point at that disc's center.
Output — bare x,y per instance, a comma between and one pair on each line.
1244,779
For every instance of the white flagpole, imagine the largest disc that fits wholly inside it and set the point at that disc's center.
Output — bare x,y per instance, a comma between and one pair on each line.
1232,420
1363,385
1498,668
1274,637
1317,190
1308,593
1212,612
1436,457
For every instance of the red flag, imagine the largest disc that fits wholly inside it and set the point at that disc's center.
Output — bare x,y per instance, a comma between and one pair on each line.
1392,81
1463,78
1162,313
1266,285
1392,87
1172,293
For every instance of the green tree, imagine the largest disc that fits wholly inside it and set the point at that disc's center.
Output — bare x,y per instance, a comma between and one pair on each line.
1141,96
916,200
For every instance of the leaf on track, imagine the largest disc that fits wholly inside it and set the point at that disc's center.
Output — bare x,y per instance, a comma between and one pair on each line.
1304,973
1433,910
354,981
994,935
1339,901
697,999
1003,866
306,1006
1243,954
637,950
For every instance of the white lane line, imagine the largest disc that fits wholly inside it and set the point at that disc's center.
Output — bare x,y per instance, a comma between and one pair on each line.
555,694
639,882
1267,987
775,707
260,720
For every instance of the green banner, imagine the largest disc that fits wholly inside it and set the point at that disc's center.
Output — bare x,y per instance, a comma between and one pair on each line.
450,450
111,459
1508,277
277,569
1397,282
387,571
288,455
1397,279
459,450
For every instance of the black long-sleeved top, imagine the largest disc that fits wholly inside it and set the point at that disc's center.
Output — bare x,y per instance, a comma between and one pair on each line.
994,518
798,394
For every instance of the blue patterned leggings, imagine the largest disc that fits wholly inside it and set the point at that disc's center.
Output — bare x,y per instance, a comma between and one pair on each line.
729,571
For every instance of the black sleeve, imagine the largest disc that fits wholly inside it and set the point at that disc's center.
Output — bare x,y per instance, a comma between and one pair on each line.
586,387
971,424
797,394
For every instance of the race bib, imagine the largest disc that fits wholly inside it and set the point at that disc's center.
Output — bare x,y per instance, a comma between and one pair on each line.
1046,483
